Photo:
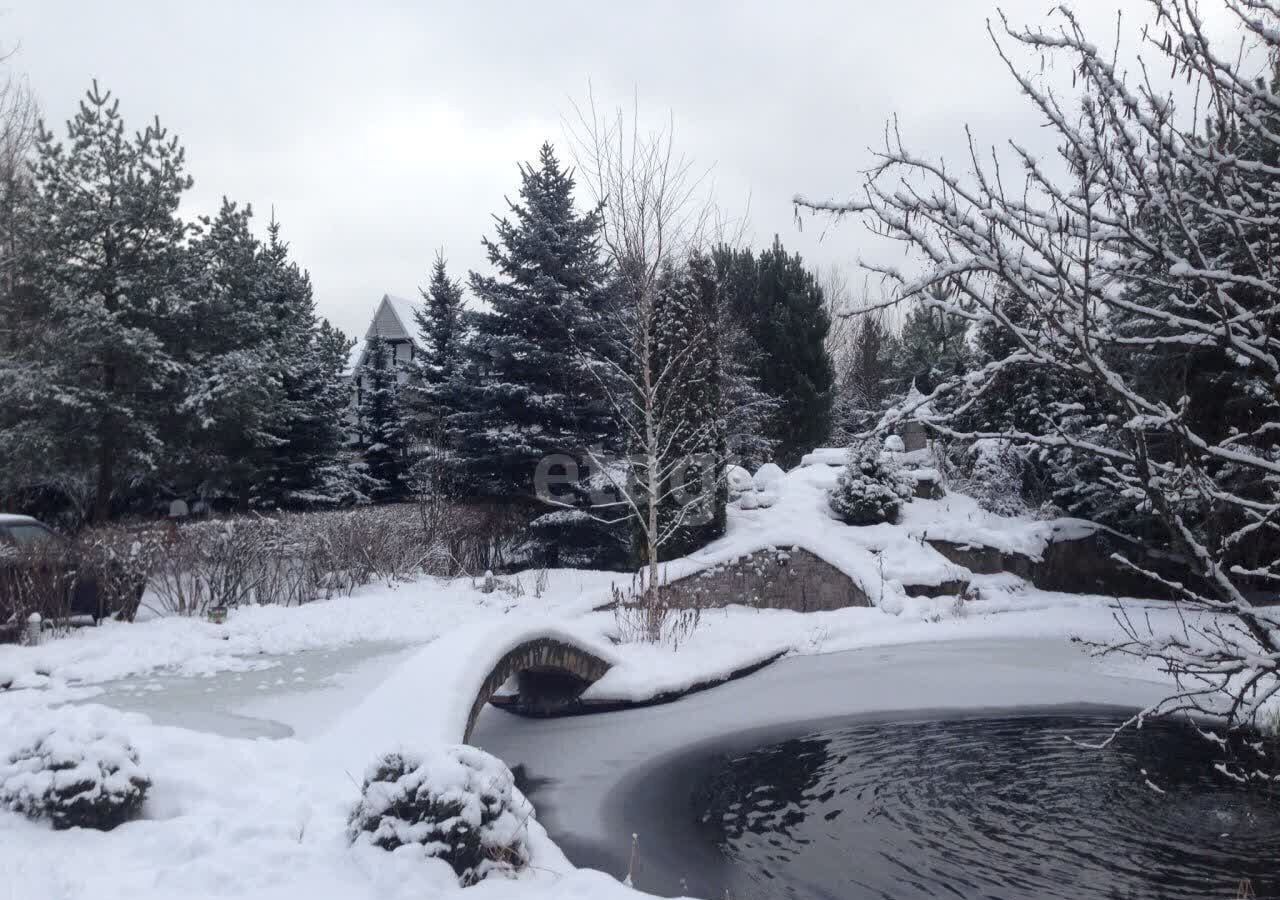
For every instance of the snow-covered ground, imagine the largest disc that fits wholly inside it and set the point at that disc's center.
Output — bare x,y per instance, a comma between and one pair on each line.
255,732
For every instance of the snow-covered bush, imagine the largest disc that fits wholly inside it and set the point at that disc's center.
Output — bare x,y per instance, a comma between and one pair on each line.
458,803
871,489
994,477
75,774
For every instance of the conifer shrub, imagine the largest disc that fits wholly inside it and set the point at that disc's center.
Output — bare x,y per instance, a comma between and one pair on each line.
459,804
871,489
76,775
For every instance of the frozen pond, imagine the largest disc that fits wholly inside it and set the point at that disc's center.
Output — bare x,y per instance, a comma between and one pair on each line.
298,694
996,806
592,778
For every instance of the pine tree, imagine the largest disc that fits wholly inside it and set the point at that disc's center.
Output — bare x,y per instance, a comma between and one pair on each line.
382,423
106,266
528,390
782,309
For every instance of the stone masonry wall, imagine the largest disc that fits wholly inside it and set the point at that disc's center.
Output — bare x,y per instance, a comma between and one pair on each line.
780,578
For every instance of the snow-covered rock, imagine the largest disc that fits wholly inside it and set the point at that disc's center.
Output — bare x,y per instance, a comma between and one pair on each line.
894,444
767,476
826,456
738,479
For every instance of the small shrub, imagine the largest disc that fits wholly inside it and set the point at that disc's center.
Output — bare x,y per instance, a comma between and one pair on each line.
40,579
870,490
460,804
663,616
75,776
995,476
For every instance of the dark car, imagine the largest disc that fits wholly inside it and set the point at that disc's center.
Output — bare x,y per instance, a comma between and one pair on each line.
29,547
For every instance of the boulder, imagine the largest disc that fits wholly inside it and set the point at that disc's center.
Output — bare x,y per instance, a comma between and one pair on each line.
767,476
739,480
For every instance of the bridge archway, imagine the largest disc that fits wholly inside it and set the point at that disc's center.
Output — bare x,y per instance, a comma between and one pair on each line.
551,675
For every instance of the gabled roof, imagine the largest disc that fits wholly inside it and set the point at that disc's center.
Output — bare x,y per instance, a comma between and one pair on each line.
393,320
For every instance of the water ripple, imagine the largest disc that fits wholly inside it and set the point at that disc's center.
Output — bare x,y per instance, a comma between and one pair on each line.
1005,809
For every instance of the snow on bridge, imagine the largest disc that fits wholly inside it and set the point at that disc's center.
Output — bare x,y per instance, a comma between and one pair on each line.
436,696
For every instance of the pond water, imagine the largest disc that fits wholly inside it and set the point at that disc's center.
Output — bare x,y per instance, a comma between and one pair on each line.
1000,806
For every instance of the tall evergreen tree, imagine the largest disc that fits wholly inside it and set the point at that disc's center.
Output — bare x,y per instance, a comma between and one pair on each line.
868,386
219,440
530,387
933,347
307,466
440,326
791,324
106,264
693,495
747,410
382,423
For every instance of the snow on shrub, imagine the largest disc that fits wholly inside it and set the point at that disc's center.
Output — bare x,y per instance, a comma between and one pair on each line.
870,490
995,477
458,803
76,771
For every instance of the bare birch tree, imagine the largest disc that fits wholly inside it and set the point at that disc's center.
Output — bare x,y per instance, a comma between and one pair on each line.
1156,254
658,216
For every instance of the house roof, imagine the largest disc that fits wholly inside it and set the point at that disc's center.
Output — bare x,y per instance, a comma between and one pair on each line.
405,311
393,320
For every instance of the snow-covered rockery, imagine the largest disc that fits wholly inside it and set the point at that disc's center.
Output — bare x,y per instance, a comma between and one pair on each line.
75,773
871,489
458,803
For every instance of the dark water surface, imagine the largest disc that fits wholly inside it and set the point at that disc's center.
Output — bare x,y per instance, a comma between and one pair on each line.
1002,807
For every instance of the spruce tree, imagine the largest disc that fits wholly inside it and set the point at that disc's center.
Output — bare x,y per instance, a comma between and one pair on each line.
691,512
219,439
528,389
382,423
933,347
308,465
869,385
440,326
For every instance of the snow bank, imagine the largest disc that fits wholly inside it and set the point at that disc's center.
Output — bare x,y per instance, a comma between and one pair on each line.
826,456
416,612
244,818
961,520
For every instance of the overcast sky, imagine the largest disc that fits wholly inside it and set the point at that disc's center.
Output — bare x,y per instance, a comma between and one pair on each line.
382,131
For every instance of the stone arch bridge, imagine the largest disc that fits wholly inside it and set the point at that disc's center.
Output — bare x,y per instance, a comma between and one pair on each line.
550,675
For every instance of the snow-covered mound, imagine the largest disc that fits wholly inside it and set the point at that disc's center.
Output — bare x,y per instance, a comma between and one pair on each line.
880,559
